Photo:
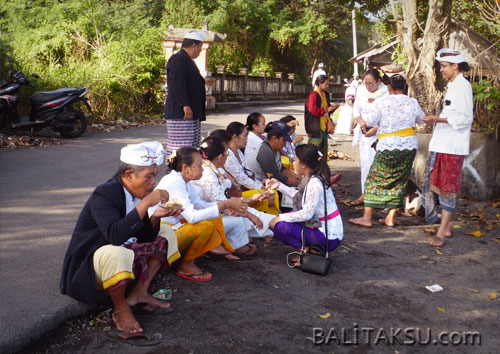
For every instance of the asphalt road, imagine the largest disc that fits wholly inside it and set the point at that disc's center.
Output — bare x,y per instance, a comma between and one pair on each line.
42,191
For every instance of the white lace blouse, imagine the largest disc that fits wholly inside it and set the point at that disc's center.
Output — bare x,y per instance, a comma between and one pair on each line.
236,169
393,113
313,207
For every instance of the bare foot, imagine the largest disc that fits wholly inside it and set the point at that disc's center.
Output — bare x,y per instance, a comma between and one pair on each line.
434,230
220,251
295,261
436,241
139,296
385,223
125,321
361,222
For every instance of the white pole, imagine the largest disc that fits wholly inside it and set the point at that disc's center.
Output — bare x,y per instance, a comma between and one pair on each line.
354,41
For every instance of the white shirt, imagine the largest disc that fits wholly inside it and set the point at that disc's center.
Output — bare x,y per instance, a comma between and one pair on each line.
364,109
195,209
253,143
210,186
393,113
313,206
316,74
454,137
130,204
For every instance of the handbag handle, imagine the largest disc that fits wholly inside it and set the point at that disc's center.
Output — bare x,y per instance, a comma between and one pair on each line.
326,223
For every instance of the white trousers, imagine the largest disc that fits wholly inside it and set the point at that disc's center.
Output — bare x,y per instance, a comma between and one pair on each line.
366,156
236,230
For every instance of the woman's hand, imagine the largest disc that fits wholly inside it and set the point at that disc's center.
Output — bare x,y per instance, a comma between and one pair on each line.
371,132
332,108
272,184
297,140
362,124
255,220
430,120
238,205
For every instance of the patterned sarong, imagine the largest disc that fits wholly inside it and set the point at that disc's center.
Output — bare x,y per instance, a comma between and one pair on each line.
442,179
182,133
321,142
385,185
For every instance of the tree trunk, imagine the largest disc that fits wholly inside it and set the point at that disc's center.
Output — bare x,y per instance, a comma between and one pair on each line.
422,73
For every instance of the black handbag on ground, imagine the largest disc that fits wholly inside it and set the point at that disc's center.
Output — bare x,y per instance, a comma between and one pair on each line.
315,260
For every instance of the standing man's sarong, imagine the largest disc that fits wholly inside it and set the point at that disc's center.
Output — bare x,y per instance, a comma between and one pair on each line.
386,183
181,133
442,180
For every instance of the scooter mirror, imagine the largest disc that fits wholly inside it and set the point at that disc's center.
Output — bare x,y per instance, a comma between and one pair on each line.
35,76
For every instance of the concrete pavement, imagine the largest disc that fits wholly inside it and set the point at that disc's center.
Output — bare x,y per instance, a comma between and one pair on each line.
42,192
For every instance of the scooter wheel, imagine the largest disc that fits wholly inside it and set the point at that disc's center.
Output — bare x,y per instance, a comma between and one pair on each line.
78,128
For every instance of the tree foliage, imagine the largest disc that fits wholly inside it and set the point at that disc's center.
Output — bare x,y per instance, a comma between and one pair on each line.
115,46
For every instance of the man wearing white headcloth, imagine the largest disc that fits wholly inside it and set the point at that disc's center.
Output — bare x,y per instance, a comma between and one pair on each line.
115,241
449,145
185,104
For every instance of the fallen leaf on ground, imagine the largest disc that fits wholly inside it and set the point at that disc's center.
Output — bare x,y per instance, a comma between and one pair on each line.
439,252
326,315
268,238
495,203
441,309
430,231
493,296
477,233
496,239
473,290
457,226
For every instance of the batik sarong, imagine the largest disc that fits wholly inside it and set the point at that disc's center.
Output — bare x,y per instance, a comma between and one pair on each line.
385,185
181,133
321,142
442,180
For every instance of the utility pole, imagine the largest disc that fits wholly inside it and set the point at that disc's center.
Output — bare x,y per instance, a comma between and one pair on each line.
354,41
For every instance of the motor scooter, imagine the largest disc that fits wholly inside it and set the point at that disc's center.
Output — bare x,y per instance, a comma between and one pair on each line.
56,110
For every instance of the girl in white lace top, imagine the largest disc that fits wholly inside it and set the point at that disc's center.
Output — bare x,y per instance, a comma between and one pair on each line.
309,203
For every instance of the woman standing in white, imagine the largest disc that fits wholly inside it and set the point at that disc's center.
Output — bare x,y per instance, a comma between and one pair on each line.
367,94
449,144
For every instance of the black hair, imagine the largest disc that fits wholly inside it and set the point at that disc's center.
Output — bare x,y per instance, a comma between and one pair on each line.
222,135
214,147
123,167
275,133
253,118
320,79
397,82
188,42
309,155
269,127
183,156
235,128
463,67
374,73
287,119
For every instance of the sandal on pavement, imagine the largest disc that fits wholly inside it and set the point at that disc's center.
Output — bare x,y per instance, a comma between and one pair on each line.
250,249
436,241
194,275
147,309
138,339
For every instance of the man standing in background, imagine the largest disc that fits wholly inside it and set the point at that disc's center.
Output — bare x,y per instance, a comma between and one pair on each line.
317,73
185,104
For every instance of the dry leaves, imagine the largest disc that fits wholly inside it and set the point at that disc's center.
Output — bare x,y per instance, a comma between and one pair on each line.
326,315
441,309
15,141
334,154
495,203
493,296
477,233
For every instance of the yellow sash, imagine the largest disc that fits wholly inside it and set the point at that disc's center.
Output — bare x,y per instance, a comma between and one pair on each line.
324,104
402,132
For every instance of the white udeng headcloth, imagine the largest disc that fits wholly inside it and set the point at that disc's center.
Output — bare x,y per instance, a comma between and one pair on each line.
143,154
454,56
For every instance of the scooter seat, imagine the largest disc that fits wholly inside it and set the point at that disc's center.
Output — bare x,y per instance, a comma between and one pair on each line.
45,96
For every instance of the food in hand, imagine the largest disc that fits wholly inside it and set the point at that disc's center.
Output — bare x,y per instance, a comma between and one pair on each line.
172,204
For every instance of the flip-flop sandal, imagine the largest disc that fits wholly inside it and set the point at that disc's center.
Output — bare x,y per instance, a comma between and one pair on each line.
148,310
192,276
432,239
359,225
382,222
137,339
251,249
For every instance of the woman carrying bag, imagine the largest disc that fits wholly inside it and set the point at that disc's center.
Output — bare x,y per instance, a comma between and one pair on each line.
317,115
309,204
